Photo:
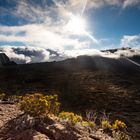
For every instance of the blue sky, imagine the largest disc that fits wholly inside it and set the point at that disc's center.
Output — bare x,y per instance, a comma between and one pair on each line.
51,24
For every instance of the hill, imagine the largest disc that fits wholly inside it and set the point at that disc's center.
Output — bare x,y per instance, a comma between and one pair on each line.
83,83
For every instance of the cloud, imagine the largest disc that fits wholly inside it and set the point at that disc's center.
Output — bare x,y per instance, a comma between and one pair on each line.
52,18
128,3
41,36
93,4
34,12
130,41
127,52
43,12
26,54
89,52
46,28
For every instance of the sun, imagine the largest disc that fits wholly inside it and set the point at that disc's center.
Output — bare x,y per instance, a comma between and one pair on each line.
76,25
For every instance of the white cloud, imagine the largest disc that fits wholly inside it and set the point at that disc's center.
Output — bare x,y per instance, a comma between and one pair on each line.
38,13
50,23
47,29
77,4
130,41
26,54
128,3
41,36
89,52
127,52
61,9
21,58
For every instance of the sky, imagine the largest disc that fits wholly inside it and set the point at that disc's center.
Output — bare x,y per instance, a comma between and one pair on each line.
30,29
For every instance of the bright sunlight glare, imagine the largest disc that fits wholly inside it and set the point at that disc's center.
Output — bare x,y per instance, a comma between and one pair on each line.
76,25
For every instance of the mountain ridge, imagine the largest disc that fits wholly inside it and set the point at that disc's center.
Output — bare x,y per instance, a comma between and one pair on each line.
5,61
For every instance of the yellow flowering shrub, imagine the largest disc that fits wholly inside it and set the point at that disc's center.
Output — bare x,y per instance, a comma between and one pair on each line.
119,125
105,124
70,117
90,124
53,104
2,95
37,104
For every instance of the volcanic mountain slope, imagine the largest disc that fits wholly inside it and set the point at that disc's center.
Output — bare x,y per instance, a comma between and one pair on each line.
83,83
4,60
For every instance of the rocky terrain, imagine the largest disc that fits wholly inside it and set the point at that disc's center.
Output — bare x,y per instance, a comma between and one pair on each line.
84,83
14,125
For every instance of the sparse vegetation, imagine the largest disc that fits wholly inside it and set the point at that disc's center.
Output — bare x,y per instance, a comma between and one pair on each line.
81,88
14,98
53,104
70,117
10,98
2,95
119,126
38,105
90,124
105,124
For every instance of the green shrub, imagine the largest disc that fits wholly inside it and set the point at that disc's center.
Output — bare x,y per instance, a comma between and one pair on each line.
39,105
70,117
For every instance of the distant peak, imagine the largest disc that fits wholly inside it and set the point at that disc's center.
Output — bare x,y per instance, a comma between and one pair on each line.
4,60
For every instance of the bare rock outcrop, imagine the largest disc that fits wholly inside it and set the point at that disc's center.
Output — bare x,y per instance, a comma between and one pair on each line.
4,60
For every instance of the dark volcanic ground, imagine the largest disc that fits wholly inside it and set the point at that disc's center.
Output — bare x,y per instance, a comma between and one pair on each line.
85,83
